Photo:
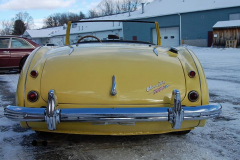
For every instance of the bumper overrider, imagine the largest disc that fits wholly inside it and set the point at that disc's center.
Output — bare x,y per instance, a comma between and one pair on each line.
53,116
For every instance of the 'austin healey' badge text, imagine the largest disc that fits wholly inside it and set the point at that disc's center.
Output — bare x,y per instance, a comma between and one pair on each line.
157,88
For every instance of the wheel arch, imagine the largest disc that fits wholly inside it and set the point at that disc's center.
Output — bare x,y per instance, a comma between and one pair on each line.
22,61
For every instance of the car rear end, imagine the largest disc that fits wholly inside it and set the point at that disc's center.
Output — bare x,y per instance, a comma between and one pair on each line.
153,93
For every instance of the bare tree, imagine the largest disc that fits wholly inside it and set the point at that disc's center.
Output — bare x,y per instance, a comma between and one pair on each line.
63,18
73,17
92,13
106,7
26,19
7,27
131,5
81,15
22,20
59,19
118,6
51,21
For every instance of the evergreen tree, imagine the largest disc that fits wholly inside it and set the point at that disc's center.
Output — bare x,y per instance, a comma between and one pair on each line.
19,27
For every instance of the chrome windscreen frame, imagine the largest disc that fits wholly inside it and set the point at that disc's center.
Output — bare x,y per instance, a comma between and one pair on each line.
52,115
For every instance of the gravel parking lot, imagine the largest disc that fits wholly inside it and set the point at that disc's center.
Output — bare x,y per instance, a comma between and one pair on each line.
219,139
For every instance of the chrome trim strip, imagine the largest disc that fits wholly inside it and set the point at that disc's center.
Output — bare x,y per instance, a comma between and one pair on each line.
102,116
155,51
8,68
71,50
114,85
10,43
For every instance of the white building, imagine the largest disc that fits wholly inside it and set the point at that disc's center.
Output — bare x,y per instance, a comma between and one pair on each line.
188,22
56,35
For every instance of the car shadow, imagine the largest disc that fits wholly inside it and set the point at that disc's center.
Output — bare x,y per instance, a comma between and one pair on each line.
47,139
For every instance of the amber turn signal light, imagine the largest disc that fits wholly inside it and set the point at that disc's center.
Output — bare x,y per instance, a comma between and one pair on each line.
34,73
32,96
192,74
193,96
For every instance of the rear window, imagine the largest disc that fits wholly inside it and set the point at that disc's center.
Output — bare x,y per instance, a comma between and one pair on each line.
4,42
19,43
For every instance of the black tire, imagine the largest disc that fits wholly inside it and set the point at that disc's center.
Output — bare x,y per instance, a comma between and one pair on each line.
22,62
181,132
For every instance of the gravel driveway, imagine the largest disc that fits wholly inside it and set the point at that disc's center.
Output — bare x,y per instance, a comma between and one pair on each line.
219,139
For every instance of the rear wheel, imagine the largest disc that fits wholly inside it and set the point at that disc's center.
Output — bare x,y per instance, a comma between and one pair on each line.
22,62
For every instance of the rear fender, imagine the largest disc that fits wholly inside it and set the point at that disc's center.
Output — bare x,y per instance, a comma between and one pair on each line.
190,62
24,77
204,87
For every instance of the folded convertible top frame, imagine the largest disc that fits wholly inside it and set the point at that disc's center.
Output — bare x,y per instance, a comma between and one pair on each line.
69,27
52,115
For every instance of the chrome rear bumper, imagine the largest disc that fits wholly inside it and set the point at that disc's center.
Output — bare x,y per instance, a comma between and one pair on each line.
53,116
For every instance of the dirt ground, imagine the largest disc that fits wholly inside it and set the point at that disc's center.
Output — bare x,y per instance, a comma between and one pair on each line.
219,139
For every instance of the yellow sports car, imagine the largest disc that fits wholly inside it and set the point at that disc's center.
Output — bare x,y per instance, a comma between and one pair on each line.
116,85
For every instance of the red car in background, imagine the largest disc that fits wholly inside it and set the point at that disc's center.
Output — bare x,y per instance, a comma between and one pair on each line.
14,51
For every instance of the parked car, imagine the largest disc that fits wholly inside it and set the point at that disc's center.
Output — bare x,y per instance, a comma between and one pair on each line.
113,87
14,51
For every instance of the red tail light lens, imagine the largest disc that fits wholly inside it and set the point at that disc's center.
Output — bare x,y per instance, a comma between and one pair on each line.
192,74
193,96
34,73
32,96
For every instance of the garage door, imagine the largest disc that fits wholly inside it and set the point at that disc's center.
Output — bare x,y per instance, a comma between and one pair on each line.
169,36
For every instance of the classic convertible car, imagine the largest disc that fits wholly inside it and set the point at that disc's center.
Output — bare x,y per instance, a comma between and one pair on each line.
113,86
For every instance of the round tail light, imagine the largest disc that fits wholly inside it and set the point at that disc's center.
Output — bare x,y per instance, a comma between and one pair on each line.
34,73
193,96
192,74
32,96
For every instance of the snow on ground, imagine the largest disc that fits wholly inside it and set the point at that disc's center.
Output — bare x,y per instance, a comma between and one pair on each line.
222,69
10,131
219,139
